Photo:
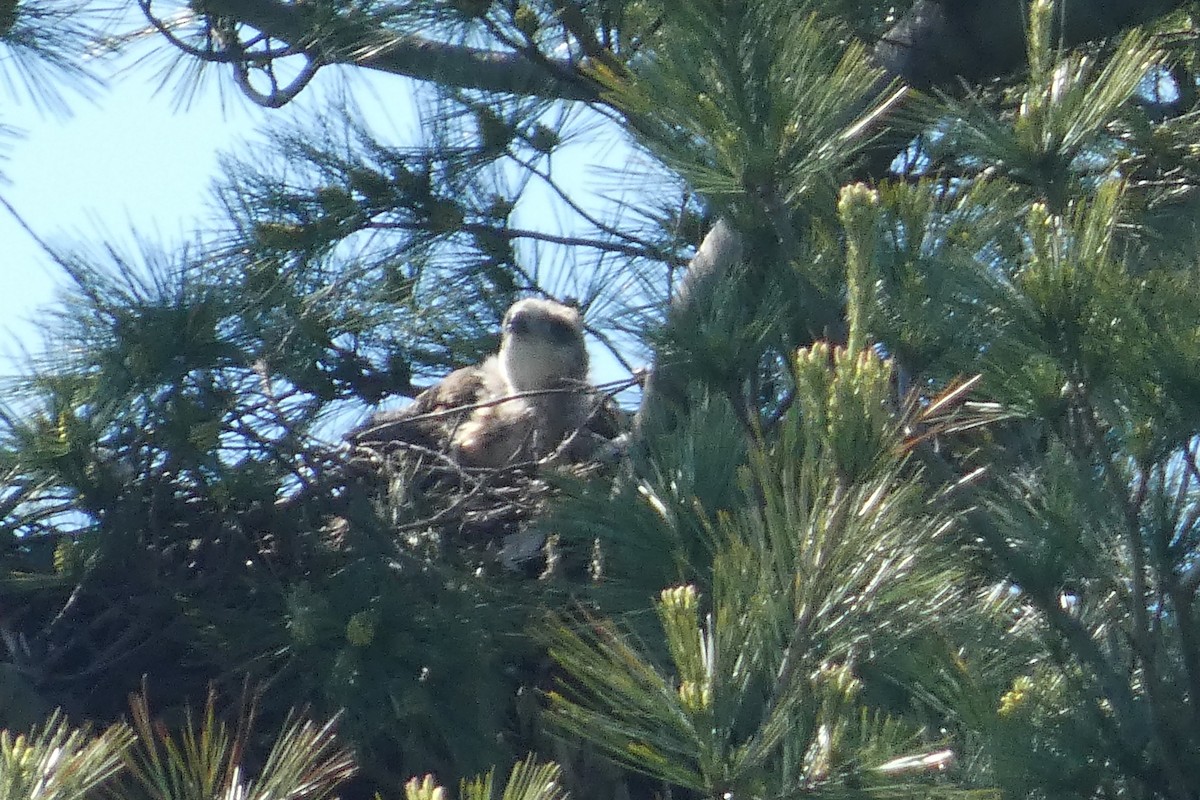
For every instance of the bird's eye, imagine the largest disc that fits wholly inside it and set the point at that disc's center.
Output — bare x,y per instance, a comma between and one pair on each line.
560,332
517,323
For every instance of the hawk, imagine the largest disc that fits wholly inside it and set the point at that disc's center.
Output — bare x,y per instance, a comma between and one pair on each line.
518,405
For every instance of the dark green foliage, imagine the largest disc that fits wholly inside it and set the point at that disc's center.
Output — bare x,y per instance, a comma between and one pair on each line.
53,761
207,758
810,571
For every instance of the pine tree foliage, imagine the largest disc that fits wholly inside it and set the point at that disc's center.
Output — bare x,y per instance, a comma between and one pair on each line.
768,91
206,758
399,228
55,762
43,42
837,561
169,489
528,780
922,520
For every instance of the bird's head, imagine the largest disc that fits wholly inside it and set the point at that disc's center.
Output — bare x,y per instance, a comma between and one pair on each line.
542,345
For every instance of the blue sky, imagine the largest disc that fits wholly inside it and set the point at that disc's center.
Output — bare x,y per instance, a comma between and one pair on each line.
132,159
124,160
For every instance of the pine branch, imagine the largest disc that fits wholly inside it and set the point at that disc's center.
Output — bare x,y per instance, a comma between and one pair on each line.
359,43
508,234
58,762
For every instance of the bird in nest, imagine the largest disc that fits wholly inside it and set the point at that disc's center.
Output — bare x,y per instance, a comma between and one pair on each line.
530,401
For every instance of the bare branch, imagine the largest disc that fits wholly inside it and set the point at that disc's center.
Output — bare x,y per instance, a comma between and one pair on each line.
361,43
720,250
635,251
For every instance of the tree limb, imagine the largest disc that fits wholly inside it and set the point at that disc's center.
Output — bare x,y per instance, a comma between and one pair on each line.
363,43
716,256
940,43
937,43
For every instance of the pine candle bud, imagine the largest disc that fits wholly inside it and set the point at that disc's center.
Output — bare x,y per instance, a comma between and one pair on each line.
841,679
277,235
500,207
1031,116
858,208
684,599
857,202
812,372
1141,440
308,613
360,630
20,755
62,429
695,696
812,389
1040,219
844,395
375,187
527,22
679,612
543,139
690,647
1012,700
858,414
1041,21
424,789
